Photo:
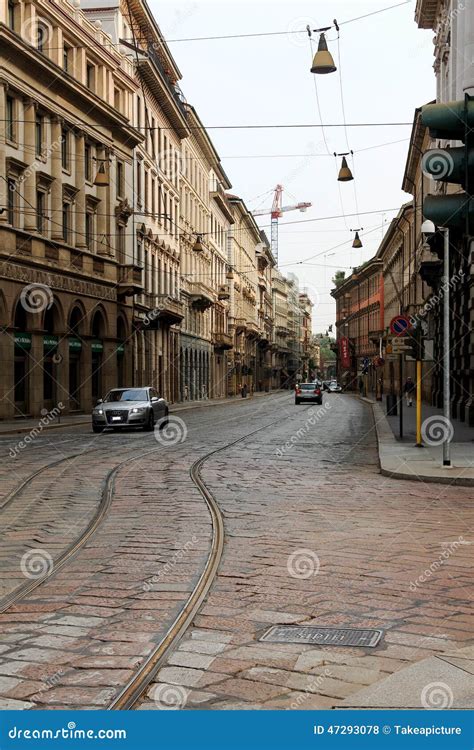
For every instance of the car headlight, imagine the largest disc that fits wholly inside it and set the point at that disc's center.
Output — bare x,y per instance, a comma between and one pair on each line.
138,410
98,411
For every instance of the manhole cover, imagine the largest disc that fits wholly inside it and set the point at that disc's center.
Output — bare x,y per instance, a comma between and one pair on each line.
322,636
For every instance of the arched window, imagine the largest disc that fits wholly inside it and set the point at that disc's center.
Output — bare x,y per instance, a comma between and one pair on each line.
41,38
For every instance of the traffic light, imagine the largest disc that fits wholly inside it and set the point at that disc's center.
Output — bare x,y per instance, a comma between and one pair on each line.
451,121
415,341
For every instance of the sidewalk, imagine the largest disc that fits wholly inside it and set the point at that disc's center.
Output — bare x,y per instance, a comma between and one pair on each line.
442,681
403,460
22,426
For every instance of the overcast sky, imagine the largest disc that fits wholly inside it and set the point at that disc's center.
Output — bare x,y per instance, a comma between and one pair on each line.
386,66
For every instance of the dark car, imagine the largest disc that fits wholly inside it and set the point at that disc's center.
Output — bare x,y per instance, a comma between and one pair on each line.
129,407
307,392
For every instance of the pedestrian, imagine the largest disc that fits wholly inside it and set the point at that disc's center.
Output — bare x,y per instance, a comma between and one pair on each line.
361,387
409,389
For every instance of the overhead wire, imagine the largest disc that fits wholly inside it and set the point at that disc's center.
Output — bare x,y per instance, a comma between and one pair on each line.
343,108
259,126
231,36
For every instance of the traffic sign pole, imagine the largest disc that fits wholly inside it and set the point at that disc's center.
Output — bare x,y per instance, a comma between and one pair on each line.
419,444
400,361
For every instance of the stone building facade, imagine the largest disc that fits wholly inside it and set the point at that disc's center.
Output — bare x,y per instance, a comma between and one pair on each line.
453,24
123,257
244,242
160,116
66,255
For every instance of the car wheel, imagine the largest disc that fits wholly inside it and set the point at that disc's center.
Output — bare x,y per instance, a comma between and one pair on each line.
149,425
320,402
96,428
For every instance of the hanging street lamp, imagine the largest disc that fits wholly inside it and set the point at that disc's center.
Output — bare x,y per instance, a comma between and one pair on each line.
323,61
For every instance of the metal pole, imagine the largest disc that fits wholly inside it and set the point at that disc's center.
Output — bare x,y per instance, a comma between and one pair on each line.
400,360
446,344
418,403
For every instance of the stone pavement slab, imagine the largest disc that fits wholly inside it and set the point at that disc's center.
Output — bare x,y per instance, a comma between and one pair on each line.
431,683
401,460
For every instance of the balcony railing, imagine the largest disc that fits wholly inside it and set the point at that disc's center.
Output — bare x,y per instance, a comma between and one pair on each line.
222,340
160,309
202,297
129,280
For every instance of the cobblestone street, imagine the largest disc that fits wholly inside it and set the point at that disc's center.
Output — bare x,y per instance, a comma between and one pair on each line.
314,535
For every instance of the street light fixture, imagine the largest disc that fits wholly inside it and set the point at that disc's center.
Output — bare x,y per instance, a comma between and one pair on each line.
323,61
357,240
428,228
345,174
198,247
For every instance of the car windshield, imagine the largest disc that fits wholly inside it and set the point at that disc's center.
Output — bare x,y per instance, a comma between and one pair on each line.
308,386
127,394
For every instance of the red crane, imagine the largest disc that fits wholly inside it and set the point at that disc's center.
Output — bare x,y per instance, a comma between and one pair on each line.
276,211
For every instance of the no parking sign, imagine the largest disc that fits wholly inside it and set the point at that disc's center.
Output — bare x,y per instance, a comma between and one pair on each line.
399,325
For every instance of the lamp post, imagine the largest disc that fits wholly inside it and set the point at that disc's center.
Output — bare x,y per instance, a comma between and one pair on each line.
428,228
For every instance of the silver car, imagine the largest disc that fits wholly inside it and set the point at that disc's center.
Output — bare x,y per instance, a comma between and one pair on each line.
306,392
130,407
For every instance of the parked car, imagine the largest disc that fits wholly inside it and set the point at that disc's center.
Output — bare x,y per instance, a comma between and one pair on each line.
334,387
326,384
130,407
307,392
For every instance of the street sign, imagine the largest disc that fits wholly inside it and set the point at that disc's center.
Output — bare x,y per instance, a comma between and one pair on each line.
399,325
400,345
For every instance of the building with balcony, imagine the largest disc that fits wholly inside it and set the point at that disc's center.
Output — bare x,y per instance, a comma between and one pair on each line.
453,25
199,283
360,320
221,219
264,354
306,313
244,242
159,114
68,267
281,330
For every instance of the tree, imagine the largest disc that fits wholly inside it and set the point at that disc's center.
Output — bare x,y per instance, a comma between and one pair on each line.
339,278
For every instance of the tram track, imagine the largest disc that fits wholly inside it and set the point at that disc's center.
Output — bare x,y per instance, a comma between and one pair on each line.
133,691
105,500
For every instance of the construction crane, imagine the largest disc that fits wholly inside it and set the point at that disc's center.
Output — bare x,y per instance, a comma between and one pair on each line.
276,211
